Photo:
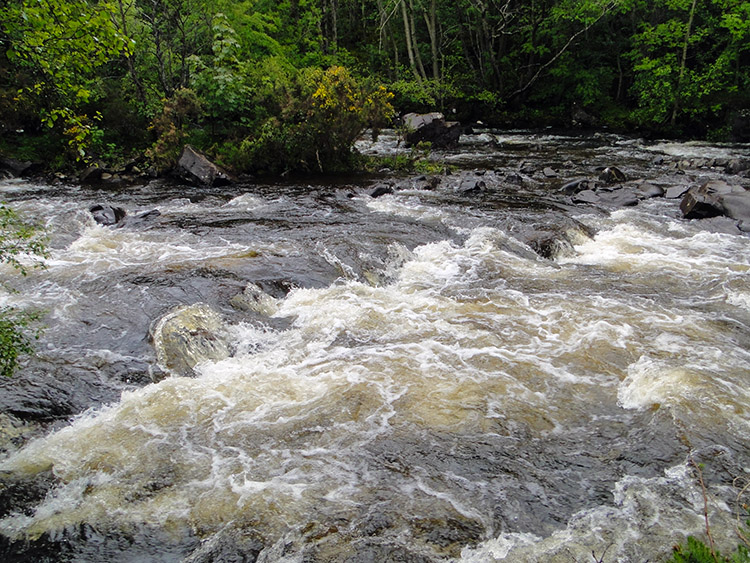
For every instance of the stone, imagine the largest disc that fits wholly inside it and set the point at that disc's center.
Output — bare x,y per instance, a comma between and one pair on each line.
736,165
17,168
580,118
623,197
737,206
549,244
188,336
575,186
256,300
648,190
470,186
676,191
431,183
432,128
381,191
699,203
549,172
586,196
92,175
195,167
612,175
107,215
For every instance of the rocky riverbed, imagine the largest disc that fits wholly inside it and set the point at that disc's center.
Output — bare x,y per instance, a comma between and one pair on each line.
521,359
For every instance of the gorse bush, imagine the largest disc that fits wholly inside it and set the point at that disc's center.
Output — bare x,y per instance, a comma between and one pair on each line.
324,113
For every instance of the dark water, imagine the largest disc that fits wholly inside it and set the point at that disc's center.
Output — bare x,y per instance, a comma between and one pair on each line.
479,371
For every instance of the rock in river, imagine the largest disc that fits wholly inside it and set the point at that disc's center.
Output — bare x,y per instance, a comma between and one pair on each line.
707,200
432,128
187,336
106,214
196,168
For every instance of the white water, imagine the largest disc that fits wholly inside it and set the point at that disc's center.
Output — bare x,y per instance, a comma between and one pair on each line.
643,328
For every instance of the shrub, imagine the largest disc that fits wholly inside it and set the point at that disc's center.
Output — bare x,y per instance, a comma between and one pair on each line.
17,238
325,112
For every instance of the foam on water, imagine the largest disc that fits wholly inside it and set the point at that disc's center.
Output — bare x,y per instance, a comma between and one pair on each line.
480,338
644,512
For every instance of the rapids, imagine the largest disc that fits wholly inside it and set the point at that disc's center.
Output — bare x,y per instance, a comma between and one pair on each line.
416,384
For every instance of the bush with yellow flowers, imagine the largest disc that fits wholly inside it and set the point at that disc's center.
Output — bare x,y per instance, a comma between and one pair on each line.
326,111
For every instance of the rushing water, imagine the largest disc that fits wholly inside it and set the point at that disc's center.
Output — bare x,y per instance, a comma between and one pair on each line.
410,382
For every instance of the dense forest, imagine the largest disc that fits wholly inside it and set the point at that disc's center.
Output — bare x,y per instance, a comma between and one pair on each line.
273,86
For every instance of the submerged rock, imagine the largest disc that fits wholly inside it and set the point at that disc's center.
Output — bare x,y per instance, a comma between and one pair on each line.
381,191
256,300
187,336
232,544
575,186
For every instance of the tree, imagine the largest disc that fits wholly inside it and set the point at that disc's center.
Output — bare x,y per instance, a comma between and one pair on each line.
63,43
688,61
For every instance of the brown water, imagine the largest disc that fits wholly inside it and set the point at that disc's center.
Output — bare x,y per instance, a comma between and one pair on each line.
417,384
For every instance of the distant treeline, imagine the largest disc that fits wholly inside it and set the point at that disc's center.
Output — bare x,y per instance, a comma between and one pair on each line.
286,84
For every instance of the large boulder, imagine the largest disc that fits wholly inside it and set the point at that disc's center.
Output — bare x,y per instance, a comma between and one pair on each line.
700,203
716,198
737,206
18,168
188,336
432,128
706,200
195,167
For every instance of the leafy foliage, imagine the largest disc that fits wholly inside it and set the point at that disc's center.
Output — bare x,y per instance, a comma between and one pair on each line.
88,72
15,340
63,43
325,113
18,240
171,126
695,551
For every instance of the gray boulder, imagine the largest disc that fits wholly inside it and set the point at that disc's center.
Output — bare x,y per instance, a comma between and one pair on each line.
716,198
17,168
737,206
110,216
700,203
676,191
432,128
196,168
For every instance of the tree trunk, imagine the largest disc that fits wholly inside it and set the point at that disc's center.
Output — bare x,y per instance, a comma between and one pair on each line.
139,89
407,38
415,43
683,61
430,19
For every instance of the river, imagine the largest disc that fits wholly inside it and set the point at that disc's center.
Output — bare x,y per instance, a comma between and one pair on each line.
404,378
